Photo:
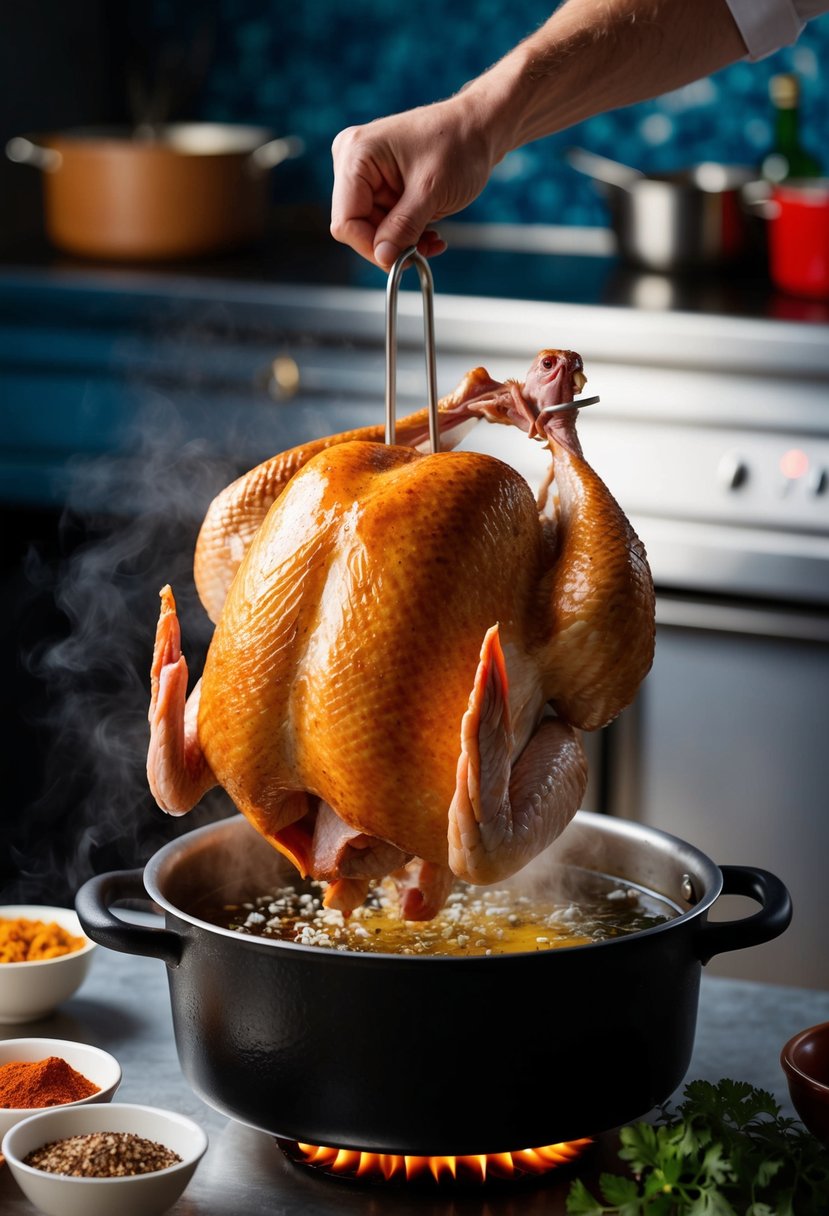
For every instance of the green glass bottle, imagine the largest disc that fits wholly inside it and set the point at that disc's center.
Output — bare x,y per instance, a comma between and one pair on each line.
787,157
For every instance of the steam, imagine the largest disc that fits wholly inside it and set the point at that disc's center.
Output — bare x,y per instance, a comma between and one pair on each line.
129,526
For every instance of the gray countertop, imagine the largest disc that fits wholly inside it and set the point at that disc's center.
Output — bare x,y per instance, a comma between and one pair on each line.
124,1008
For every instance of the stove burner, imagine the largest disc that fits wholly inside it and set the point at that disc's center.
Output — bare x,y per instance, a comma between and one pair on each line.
393,1169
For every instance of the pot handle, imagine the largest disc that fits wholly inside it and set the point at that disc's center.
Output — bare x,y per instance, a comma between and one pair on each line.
757,200
25,151
602,169
271,154
773,918
92,904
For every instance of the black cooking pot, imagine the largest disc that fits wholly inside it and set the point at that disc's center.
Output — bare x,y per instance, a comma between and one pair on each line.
434,1055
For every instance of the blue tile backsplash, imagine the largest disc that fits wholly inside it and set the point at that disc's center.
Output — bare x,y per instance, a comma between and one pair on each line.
313,67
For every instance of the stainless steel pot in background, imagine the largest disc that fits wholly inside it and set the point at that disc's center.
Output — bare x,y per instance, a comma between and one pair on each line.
680,221
162,192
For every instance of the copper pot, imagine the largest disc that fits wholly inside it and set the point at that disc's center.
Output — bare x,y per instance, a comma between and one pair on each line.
177,191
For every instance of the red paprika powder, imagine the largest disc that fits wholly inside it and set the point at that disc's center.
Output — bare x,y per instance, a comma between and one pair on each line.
26,1084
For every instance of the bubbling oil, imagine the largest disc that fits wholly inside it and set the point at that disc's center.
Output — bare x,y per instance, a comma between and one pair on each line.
474,921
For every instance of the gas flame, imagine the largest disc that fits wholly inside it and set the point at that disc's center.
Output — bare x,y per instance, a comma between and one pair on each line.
476,1168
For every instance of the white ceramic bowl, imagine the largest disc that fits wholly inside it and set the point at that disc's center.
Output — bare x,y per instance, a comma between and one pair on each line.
29,991
97,1066
136,1195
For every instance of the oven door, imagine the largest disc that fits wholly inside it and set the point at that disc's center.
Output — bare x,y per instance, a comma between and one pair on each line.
727,746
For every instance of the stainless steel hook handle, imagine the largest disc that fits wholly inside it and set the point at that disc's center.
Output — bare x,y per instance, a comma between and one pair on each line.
410,257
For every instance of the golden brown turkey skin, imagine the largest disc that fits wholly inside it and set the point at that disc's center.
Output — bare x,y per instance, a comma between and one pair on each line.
597,601
392,633
344,657
235,515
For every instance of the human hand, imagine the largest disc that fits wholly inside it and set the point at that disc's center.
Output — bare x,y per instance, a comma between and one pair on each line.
396,176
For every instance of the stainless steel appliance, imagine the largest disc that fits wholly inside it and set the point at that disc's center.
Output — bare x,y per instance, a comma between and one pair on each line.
714,436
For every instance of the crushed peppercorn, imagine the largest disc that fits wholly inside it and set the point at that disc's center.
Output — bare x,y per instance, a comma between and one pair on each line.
102,1155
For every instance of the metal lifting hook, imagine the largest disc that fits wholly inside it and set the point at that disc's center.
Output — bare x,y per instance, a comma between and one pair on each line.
410,257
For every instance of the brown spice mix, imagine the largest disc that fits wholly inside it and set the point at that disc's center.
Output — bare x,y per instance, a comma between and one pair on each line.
102,1155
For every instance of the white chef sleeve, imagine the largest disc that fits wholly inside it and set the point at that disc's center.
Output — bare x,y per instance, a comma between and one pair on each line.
767,25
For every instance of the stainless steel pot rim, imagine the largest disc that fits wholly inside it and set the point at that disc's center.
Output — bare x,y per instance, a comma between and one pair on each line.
696,862
710,177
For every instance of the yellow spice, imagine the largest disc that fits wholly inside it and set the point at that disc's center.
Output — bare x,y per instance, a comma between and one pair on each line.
30,941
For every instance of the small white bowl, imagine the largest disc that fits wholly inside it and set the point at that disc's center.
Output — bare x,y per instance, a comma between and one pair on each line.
97,1066
29,991
135,1195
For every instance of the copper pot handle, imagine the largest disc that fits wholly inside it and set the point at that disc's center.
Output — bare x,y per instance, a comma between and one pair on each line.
24,151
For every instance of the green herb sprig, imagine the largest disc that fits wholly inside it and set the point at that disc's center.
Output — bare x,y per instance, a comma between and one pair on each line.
725,1151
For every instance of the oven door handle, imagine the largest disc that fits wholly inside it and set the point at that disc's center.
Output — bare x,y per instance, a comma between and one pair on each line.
745,619
773,918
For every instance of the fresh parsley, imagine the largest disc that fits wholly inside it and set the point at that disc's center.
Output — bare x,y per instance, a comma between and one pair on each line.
725,1151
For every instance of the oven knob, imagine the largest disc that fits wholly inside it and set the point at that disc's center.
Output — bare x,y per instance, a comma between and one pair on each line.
732,471
282,378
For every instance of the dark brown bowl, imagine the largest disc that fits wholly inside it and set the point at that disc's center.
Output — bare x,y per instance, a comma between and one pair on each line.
805,1061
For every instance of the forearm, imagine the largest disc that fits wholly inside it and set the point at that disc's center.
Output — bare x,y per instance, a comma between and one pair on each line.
396,176
596,55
